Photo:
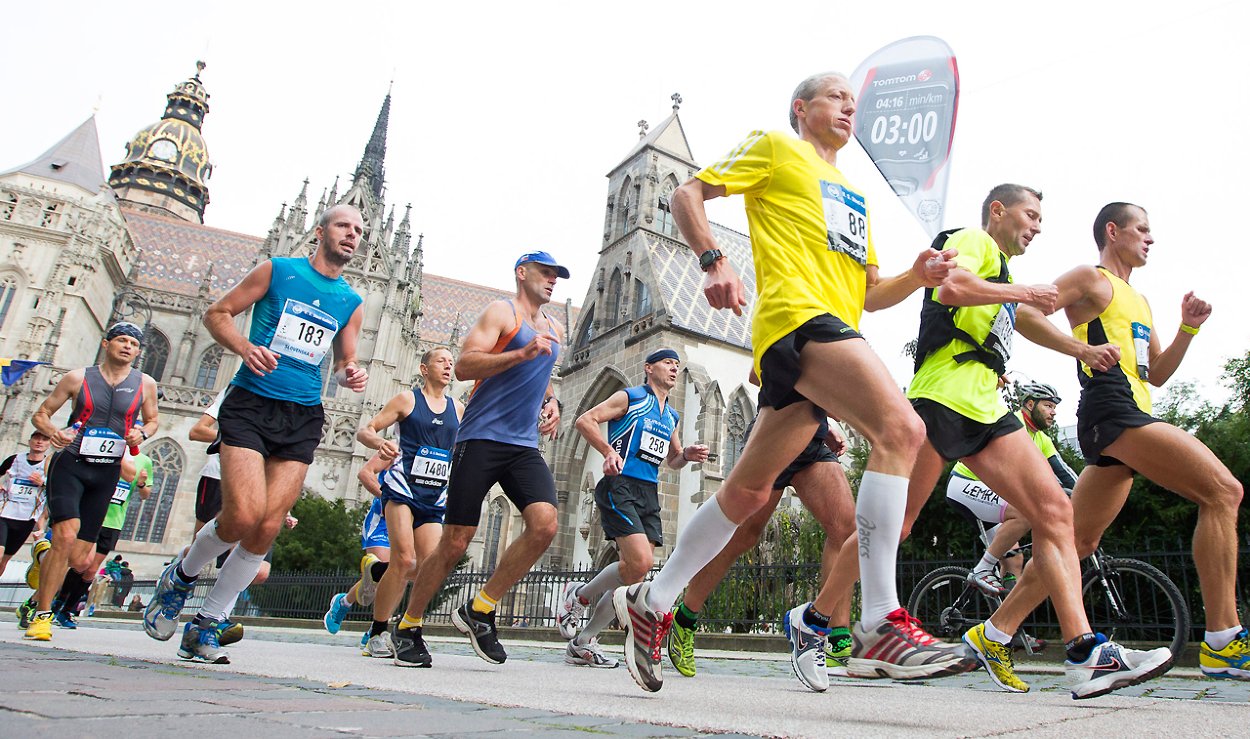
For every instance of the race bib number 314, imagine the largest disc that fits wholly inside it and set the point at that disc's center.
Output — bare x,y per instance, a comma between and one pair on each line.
846,220
304,332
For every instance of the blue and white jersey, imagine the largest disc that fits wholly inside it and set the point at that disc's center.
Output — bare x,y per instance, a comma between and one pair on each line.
426,502
642,435
373,529
425,442
297,319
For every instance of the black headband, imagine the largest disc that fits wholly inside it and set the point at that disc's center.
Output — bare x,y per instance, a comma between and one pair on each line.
123,328
662,354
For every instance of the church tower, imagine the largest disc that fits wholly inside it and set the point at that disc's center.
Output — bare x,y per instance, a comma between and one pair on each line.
166,165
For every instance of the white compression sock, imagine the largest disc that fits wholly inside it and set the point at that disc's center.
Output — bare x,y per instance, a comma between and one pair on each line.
879,513
204,549
988,562
235,575
708,531
599,620
608,579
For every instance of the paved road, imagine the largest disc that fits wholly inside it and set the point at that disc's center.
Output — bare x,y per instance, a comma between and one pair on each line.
109,679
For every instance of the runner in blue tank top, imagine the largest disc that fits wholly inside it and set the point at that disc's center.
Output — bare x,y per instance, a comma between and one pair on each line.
642,434
414,490
510,353
270,422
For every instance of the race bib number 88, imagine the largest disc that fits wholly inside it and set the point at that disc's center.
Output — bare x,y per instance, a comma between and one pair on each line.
846,220
304,332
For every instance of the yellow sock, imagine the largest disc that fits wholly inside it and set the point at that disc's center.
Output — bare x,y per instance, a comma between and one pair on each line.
483,603
408,622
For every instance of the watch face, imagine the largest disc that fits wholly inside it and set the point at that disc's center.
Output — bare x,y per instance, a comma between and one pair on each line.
163,149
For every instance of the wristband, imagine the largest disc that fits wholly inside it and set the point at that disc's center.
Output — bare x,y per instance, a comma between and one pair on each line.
1191,330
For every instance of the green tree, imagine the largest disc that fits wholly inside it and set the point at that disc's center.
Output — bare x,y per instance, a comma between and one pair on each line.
327,538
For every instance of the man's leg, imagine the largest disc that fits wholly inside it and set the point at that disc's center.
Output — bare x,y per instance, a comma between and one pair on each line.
520,556
433,571
409,646
637,557
1006,536
391,587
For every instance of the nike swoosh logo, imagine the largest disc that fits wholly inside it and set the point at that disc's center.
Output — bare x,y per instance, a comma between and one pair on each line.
1111,666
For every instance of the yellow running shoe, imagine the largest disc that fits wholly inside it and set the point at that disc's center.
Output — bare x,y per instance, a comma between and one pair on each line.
1231,662
40,628
367,590
36,552
996,659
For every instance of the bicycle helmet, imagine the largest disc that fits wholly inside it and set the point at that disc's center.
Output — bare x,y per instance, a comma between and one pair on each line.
1038,391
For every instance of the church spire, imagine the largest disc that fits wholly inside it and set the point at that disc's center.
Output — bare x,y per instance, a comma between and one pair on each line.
372,164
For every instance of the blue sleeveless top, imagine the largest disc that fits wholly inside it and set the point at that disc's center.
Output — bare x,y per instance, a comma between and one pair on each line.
425,442
505,407
642,435
297,318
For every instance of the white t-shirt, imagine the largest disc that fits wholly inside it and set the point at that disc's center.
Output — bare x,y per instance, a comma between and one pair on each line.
212,468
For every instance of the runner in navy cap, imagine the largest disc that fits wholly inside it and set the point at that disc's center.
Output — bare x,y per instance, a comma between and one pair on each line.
542,257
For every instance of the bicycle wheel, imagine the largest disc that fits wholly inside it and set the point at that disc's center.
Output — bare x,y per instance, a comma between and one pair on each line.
947,605
1137,606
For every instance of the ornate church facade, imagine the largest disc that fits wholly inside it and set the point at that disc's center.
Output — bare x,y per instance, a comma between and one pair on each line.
79,249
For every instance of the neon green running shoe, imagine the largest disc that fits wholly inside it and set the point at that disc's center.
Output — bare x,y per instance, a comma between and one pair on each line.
838,651
681,649
996,659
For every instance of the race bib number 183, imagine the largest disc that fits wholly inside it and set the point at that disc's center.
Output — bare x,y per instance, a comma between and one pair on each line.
304,332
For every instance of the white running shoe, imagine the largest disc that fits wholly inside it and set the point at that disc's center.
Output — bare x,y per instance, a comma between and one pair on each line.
1111,667
589,655
569,610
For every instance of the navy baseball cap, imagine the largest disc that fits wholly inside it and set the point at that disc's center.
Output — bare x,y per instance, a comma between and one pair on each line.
542,257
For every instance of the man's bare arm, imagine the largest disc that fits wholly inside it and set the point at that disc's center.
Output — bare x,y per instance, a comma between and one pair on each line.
477,360
219,319
929,270
42,419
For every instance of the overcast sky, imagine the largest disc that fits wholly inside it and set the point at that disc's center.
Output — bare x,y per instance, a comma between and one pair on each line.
507,116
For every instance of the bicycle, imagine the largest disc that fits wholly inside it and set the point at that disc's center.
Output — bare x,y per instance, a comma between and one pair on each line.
1130,601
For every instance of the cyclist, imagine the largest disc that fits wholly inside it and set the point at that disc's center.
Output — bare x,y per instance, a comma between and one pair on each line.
1004,523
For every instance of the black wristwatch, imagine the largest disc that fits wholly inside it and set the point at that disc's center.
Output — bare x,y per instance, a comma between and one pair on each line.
559,405
709,257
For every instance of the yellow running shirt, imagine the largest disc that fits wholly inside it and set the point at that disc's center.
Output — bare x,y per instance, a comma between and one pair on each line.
1039,437
811,239
970,388
1127,323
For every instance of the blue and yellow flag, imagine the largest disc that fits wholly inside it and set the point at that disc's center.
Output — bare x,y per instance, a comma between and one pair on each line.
11,370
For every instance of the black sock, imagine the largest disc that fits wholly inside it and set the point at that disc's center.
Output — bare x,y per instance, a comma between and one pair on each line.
188,579
685,617
813,617
379,627
377,570
1080,647
75,588
67,586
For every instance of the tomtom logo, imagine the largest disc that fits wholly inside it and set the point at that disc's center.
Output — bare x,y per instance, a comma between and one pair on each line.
896,80
924,76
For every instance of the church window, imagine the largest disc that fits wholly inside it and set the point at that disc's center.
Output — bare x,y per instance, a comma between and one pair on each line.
210,362
735,428
664,211
612,317
327,371
155,353
494,532
626,204
588,328
146,519
8,289
642,299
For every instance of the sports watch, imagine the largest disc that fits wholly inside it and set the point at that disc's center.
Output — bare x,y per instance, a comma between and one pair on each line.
709,257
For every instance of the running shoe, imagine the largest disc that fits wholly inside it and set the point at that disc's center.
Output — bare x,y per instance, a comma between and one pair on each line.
36,555
589,655
199,643
364,639
65,620
379,646
229,632
838,653
40,628
367,590
333,620
160,618
569,610
807,649
645,631
987,582
681,649
24,612
996,659
1111,667
1231,662
897,647
410,650
480,628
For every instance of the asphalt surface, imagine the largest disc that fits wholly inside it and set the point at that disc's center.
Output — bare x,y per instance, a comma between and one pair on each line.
107,678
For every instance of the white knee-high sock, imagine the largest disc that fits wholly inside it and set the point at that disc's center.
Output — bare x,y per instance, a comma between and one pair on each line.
879,513
204,549
707,533
608,579
235,575
599,619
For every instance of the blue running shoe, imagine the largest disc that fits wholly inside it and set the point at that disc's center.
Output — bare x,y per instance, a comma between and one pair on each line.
65,620
200,643
364,641
339,607
160,618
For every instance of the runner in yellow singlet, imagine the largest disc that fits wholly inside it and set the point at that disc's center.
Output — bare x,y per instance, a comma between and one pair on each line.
1119,437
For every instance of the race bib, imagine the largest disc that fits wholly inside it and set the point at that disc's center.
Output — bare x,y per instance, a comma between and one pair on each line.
121,493
304,332
431,467
101,446
846,221
23,489
652,445
1002,331
1141,347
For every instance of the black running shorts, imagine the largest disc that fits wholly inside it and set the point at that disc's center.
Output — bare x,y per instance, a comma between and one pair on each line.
627,506
477,464
954,435
13,534
779,367
1099,422
207,499
80,490
275,428
107,540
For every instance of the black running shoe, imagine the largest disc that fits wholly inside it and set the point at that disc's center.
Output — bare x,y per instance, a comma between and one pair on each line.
410,648
480,628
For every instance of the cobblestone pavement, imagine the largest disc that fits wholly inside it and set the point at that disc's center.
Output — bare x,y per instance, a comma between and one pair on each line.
108,679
